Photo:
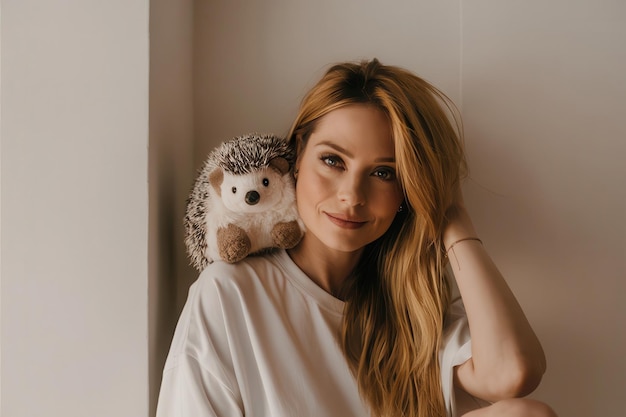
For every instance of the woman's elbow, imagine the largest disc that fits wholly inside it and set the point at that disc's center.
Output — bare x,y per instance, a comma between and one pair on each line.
496,380
521,378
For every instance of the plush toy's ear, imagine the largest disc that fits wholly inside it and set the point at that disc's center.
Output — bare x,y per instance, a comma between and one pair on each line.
215,179
280,164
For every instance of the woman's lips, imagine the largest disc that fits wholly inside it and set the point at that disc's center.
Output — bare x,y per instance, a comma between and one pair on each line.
344,222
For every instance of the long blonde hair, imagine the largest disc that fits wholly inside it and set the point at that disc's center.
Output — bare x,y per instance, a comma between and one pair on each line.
398,295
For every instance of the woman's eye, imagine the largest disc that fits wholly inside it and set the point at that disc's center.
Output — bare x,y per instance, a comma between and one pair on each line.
385,174
331,160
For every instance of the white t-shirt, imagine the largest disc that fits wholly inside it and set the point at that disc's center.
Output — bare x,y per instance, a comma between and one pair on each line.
260,339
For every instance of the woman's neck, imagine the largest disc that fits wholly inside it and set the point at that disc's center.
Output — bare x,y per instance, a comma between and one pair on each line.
328,268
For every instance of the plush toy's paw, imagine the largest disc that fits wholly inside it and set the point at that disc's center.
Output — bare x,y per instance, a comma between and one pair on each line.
233,243
286,235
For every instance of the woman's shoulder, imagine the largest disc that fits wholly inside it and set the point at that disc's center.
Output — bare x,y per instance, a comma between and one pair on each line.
215,312
223,289
241,278
260,281
240,272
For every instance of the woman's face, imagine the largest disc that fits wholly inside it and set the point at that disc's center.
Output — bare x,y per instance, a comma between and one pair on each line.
347,190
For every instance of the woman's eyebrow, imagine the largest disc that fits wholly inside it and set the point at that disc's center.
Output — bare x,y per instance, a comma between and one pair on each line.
338,148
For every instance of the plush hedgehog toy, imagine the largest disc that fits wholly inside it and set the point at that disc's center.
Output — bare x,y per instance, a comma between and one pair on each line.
243,201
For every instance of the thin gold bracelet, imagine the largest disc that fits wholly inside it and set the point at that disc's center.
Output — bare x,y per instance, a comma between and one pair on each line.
462,240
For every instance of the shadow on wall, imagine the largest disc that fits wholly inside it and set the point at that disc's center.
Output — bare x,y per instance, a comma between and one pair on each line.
170,272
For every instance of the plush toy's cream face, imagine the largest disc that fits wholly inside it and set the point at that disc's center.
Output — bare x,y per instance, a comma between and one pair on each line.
252,193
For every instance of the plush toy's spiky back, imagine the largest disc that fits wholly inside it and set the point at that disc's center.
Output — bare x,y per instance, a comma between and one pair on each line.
240,155
249,153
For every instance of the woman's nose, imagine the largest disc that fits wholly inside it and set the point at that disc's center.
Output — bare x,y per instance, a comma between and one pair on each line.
352,190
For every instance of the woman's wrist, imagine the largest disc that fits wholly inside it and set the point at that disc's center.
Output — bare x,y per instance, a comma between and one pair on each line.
458,228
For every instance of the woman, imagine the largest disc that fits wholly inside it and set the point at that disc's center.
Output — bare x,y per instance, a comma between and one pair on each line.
358,319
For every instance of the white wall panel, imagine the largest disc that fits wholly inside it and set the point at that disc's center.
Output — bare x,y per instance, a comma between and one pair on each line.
74,208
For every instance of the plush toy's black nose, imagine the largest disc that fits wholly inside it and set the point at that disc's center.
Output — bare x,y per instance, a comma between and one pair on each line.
252,197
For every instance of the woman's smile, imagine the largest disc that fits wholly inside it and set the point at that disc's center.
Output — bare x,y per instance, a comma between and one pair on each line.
345,222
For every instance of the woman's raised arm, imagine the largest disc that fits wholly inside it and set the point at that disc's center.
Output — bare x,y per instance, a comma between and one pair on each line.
507,358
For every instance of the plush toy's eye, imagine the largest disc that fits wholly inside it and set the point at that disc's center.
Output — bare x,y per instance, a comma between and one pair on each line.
266,182
234,190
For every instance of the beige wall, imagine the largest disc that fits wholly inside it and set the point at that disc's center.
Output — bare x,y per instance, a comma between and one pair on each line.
544,95
74,131
255,60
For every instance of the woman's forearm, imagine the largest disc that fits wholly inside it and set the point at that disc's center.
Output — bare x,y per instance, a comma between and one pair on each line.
507,358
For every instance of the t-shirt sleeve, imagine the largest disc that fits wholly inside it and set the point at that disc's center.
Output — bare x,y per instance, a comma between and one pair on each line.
198,378
456,348
188,390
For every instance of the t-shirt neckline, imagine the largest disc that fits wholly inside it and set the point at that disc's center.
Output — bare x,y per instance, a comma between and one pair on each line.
306,284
